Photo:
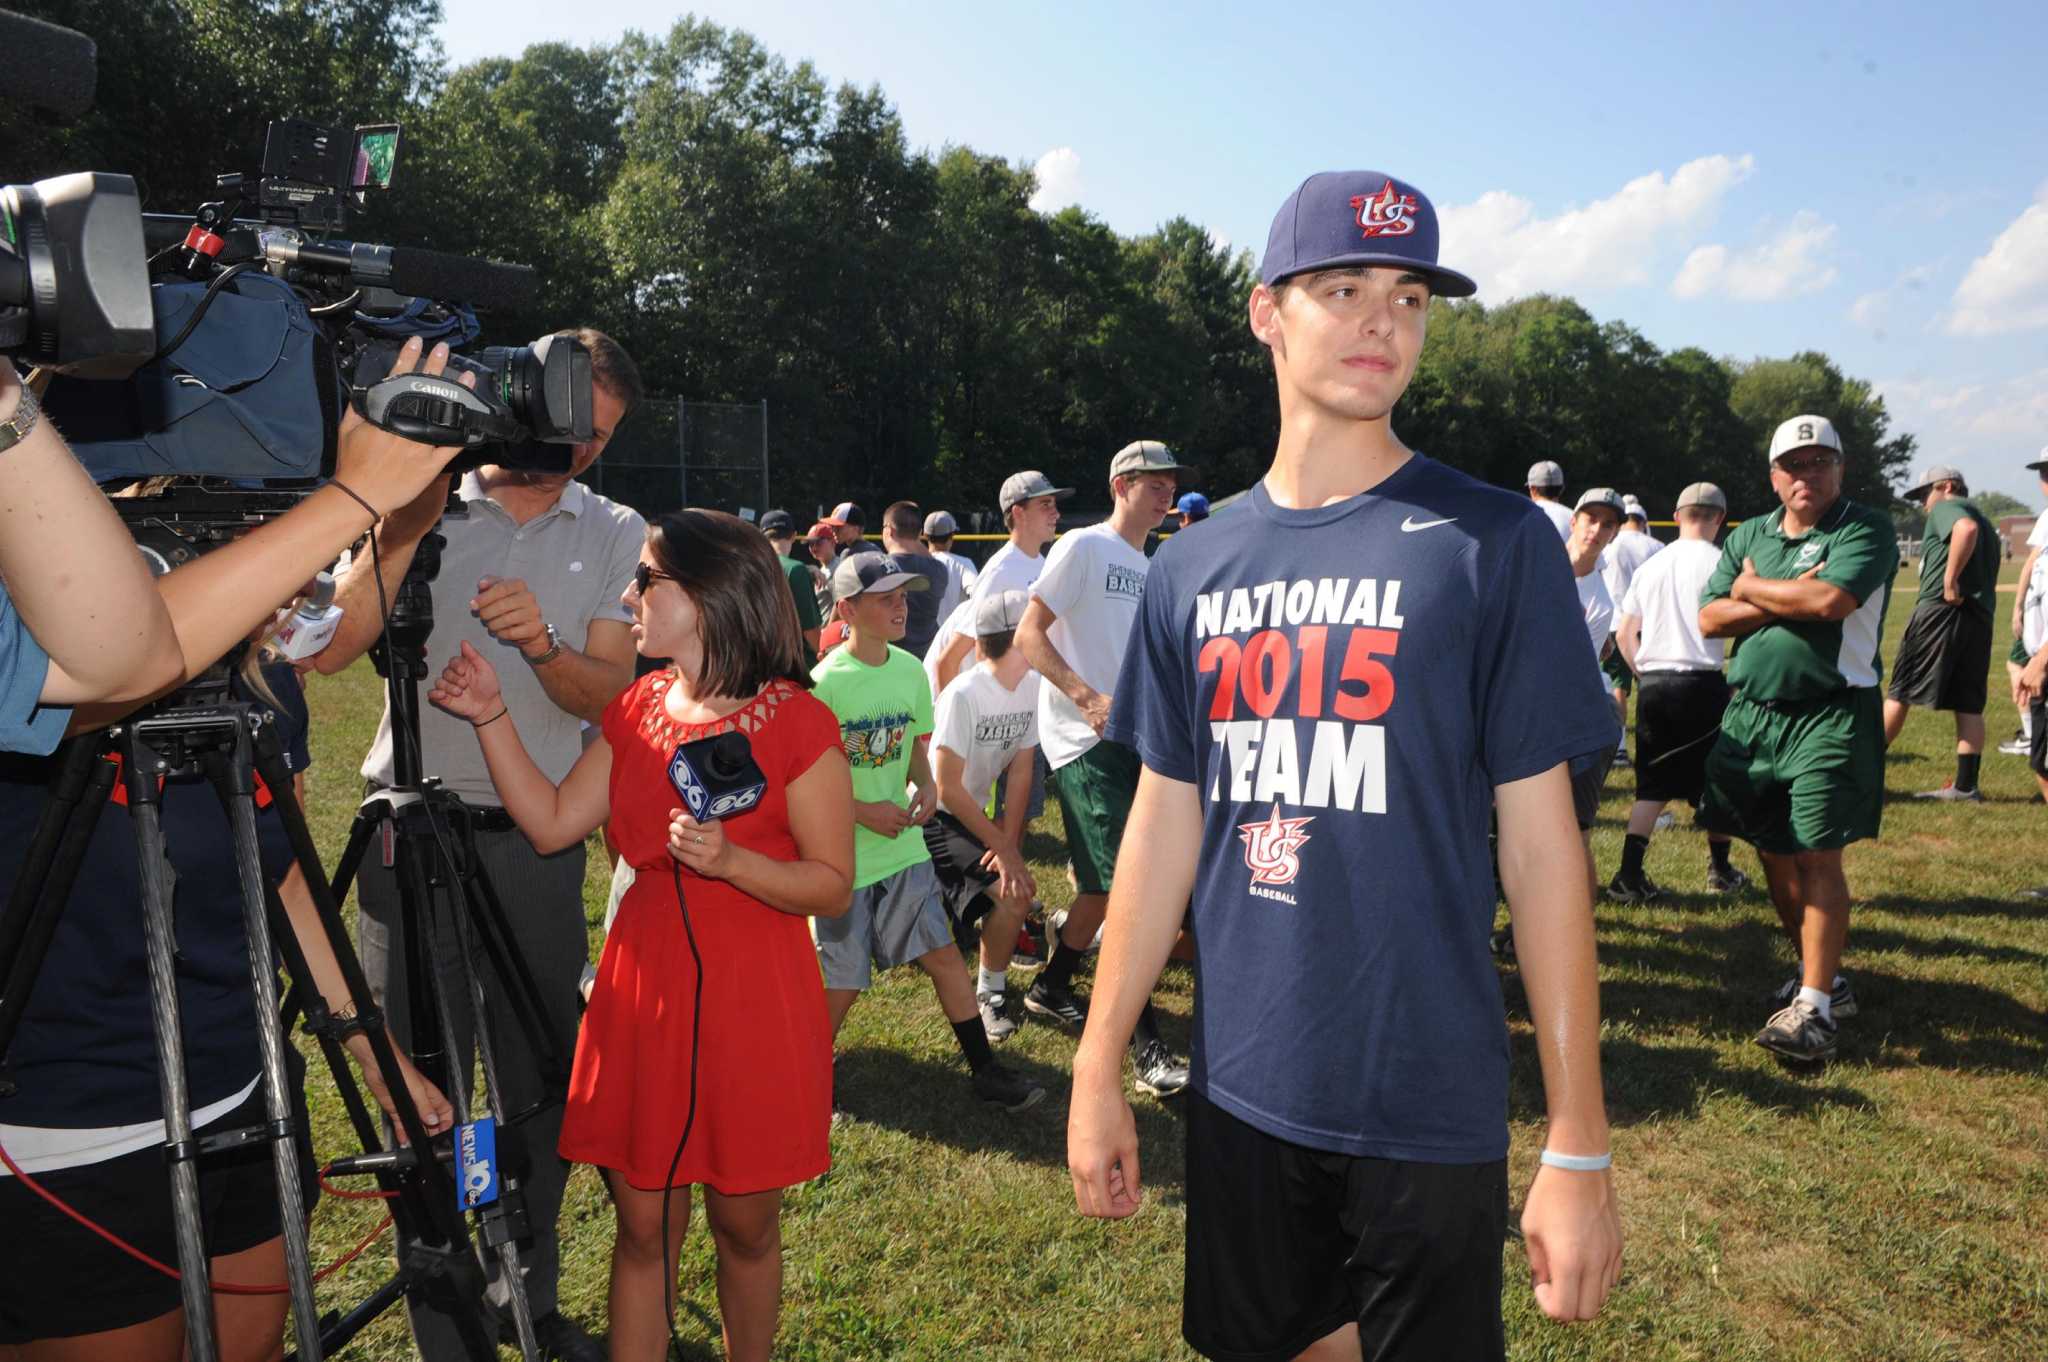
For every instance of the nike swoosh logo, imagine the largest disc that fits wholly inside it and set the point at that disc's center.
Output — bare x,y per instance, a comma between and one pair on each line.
1410,525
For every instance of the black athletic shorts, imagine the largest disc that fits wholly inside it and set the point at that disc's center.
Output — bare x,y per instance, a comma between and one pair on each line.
1286,1244
967,890
1587,783
59,1280
1678,715
1944,659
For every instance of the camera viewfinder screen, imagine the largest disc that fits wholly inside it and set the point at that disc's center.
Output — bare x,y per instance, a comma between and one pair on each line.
376,156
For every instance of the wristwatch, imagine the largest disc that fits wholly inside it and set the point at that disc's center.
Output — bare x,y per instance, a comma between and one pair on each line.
554,649
16,428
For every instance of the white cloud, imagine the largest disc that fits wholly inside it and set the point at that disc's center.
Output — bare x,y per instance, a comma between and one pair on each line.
1218,240
1059,180
1609,243
1900,305
2006,288
1988,429
1785,265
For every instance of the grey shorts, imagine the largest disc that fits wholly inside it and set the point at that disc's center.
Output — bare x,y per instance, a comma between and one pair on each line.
892,922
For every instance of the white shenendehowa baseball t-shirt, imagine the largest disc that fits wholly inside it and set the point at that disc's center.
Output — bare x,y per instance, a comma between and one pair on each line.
2034,604
1007,569
1599,610
987,724
1619,564
961,621
1665,596
1093,581
960,577
1560,516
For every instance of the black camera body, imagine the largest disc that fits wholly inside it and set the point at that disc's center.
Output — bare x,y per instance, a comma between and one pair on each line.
74,289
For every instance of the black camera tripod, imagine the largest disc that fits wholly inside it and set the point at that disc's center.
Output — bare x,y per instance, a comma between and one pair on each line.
202,731
427,835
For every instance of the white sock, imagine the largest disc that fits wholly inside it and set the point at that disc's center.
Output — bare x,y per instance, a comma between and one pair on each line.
993,980
2027,723
1822,1003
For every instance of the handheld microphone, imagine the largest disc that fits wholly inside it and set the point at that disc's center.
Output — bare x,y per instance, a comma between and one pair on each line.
312,625
717,776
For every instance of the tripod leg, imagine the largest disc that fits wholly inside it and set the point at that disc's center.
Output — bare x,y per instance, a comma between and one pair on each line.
234,780
181,1150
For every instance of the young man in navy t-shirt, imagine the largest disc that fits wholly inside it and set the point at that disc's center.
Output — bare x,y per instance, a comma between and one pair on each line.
1332,689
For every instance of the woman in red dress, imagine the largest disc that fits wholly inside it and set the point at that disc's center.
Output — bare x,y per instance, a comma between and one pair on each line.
746,1067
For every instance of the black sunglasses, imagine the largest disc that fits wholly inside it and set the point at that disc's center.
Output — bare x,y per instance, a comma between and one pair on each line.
645,576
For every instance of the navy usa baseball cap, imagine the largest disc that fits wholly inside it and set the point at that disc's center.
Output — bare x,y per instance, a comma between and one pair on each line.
1339,218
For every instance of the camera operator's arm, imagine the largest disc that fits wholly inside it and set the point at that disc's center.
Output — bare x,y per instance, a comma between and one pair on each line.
355,587
73,572
552,816
219,597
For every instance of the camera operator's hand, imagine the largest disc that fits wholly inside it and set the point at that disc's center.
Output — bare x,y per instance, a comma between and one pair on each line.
410,523
699,846
468,687
436,1114
508,608
386,470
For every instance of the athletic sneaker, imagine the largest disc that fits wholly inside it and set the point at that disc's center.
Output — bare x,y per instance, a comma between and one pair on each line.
1950,794
1799,1032
2039,891
1637,888
1729,881
2015,747
1003,1088
1031,951
1048,999
1666,821
1841,998
1621,761
995,1016
1160,1072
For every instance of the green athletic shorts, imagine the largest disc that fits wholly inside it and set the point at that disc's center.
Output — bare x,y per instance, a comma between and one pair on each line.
1799,777
2018,654
1619,677
1095,791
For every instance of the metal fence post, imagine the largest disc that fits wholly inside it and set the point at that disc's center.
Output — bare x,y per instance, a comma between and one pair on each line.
765,503
683,451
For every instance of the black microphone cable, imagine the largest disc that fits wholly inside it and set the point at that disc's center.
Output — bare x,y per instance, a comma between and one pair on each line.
668,1274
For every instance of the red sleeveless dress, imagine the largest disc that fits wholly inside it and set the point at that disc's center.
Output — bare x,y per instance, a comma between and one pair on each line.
764,1062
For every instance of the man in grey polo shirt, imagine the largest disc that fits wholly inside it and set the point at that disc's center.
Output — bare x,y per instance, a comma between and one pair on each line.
532,579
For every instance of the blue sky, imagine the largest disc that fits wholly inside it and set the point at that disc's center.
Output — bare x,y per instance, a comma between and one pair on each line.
1866,180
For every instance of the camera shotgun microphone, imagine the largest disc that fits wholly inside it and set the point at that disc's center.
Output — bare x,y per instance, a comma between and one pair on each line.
415,273
46,65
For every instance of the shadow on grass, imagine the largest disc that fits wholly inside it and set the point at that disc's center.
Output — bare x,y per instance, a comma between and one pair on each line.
1715,977
932,1101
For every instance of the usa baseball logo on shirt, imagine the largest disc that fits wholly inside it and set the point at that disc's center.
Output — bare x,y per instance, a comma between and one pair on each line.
1272,852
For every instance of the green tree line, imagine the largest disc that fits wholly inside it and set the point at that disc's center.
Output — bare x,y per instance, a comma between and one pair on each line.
751,232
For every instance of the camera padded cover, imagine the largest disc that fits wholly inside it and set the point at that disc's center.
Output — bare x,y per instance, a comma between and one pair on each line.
250,395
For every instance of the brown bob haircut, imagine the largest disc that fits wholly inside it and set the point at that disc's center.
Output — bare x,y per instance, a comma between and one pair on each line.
746,615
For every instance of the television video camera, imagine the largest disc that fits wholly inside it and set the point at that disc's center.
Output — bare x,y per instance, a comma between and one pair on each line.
228,352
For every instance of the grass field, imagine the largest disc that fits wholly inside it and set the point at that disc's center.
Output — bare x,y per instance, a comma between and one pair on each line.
1894,1206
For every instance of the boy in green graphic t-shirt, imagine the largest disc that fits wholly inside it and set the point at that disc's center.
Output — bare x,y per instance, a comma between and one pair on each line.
884,706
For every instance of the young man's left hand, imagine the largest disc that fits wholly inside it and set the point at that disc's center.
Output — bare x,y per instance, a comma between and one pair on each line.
1571,1227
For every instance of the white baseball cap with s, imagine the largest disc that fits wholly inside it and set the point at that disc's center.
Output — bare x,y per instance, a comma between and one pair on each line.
1804,432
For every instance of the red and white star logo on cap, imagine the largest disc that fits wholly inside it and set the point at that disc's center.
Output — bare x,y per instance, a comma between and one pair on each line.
1385,213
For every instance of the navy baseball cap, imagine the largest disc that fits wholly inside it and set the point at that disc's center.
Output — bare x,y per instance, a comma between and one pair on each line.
1339,218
